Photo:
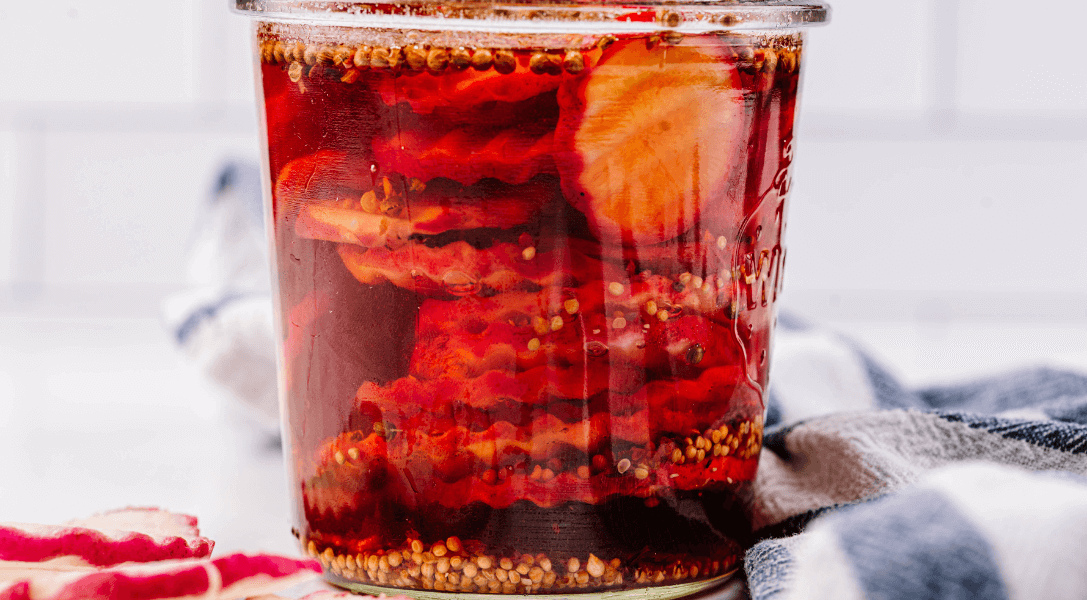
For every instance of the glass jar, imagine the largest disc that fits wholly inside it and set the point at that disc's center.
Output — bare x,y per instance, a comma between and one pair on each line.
525,260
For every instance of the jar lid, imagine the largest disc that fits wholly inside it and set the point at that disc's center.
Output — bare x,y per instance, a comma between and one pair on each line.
539,16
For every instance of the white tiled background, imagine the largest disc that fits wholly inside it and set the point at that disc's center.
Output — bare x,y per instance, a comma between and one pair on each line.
938,217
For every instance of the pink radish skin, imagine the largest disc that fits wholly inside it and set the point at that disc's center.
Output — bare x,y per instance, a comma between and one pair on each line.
232,576
130,535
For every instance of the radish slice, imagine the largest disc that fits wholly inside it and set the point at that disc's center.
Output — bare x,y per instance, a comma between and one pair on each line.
650,136
244,575
460,90
129,535
233,576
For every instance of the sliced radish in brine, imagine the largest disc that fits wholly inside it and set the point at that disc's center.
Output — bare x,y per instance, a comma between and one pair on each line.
650,136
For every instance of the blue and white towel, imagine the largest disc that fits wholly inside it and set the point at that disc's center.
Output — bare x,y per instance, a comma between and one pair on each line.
870,490
866,489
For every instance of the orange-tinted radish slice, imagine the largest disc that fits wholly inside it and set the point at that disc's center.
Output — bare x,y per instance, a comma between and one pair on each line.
324,189
652,136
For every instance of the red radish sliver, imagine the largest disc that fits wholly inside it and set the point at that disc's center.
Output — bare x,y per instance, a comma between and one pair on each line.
232,576
130,535
245,575
149,520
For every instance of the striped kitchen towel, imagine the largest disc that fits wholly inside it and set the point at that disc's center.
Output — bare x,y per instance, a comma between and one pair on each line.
867,489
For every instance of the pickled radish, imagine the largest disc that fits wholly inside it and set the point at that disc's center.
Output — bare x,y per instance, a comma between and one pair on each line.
335,198
469,154
653,136
232,576
426,92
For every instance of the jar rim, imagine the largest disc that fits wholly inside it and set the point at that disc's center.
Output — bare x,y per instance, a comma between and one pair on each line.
687,16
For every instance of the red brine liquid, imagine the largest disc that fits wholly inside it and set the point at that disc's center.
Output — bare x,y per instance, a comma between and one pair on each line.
527,298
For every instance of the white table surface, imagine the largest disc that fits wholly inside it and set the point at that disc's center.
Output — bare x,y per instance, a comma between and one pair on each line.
100,413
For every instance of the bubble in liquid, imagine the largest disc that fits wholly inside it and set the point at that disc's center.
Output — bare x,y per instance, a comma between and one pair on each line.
596,349
459,283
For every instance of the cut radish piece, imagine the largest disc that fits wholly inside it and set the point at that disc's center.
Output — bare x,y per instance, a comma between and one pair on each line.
467,155
459,269
244,575
652,135
425,93
129,535
336,199
233,576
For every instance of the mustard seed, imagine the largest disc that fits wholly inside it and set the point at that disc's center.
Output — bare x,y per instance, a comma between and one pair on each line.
505,62
460,58
437,60
482,59
380,58
295,71
415,57
362,57
556,323
573,62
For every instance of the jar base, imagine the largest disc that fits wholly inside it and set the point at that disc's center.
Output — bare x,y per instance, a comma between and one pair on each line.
663,592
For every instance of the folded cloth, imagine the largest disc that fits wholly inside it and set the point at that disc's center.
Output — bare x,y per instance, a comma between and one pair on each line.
869,490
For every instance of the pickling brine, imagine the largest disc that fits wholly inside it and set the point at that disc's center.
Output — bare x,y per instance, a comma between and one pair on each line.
526,286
